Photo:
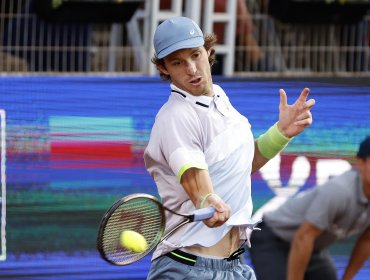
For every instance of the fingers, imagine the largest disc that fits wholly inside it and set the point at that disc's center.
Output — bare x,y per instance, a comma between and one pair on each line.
216,202
305,119
301,102
219,218
305,122
293,119
283,98
222,213
309,104
303,97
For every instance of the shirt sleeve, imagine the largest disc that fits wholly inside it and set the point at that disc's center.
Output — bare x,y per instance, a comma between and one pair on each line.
182,142
325,207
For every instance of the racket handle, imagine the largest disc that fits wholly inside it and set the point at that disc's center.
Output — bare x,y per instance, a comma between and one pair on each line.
203,213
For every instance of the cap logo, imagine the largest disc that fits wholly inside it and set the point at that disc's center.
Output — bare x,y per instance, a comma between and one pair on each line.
192,32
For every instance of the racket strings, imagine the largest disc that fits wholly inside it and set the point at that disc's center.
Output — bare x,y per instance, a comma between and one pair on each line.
141,215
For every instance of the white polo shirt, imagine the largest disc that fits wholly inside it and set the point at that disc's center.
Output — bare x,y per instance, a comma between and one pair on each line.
207,133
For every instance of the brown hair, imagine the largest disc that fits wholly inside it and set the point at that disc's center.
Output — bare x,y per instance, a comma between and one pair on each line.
209,43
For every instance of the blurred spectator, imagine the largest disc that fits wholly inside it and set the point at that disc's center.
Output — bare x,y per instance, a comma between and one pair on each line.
294,238
244,30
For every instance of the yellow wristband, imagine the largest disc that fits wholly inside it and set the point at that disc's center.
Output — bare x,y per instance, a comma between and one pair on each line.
204,199
272,142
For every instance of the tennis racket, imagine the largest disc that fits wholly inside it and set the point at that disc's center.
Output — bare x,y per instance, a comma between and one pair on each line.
143,214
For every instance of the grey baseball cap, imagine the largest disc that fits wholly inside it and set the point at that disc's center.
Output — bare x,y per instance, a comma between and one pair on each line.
176,33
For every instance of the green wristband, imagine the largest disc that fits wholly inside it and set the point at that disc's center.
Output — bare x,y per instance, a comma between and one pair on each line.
272,142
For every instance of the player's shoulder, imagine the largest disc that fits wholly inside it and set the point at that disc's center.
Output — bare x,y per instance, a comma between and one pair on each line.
174,109
175,113
218,90
342,184
348,177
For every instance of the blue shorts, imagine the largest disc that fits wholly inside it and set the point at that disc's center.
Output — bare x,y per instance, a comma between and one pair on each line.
180,265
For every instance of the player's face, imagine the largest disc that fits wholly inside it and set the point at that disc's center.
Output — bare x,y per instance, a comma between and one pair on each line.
189,70
364,168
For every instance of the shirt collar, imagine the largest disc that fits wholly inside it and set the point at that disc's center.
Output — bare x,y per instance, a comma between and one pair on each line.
203,100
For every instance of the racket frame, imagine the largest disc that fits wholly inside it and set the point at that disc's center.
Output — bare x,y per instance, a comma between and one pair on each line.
108,214
198,215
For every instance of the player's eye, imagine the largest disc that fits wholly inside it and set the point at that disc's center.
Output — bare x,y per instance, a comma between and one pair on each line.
196,54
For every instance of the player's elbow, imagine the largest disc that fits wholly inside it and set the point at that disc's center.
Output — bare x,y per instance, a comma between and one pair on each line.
303,241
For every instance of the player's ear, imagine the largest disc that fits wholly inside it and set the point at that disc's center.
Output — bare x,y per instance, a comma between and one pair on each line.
161,68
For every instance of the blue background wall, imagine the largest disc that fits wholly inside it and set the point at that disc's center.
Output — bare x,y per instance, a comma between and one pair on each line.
75,144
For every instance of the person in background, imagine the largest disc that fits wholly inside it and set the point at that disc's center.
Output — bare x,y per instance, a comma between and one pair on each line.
294,238
201,153
244,36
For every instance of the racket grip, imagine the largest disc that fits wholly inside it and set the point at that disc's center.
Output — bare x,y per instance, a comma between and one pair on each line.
203,213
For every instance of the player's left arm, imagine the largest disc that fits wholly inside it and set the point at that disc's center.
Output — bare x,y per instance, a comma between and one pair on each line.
360,254
293,119
258,160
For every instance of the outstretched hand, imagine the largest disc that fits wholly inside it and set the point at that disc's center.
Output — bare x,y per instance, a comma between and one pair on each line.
293,119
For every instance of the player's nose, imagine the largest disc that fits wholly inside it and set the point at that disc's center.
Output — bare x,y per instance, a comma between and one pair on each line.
191,68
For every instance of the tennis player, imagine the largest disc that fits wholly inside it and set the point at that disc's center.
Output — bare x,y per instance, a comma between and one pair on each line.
202,152
294,238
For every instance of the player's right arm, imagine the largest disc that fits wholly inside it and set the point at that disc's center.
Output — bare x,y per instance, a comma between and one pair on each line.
360,254
198,185
301,250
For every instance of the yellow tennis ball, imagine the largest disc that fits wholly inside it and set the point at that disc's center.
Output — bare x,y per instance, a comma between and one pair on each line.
133,241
